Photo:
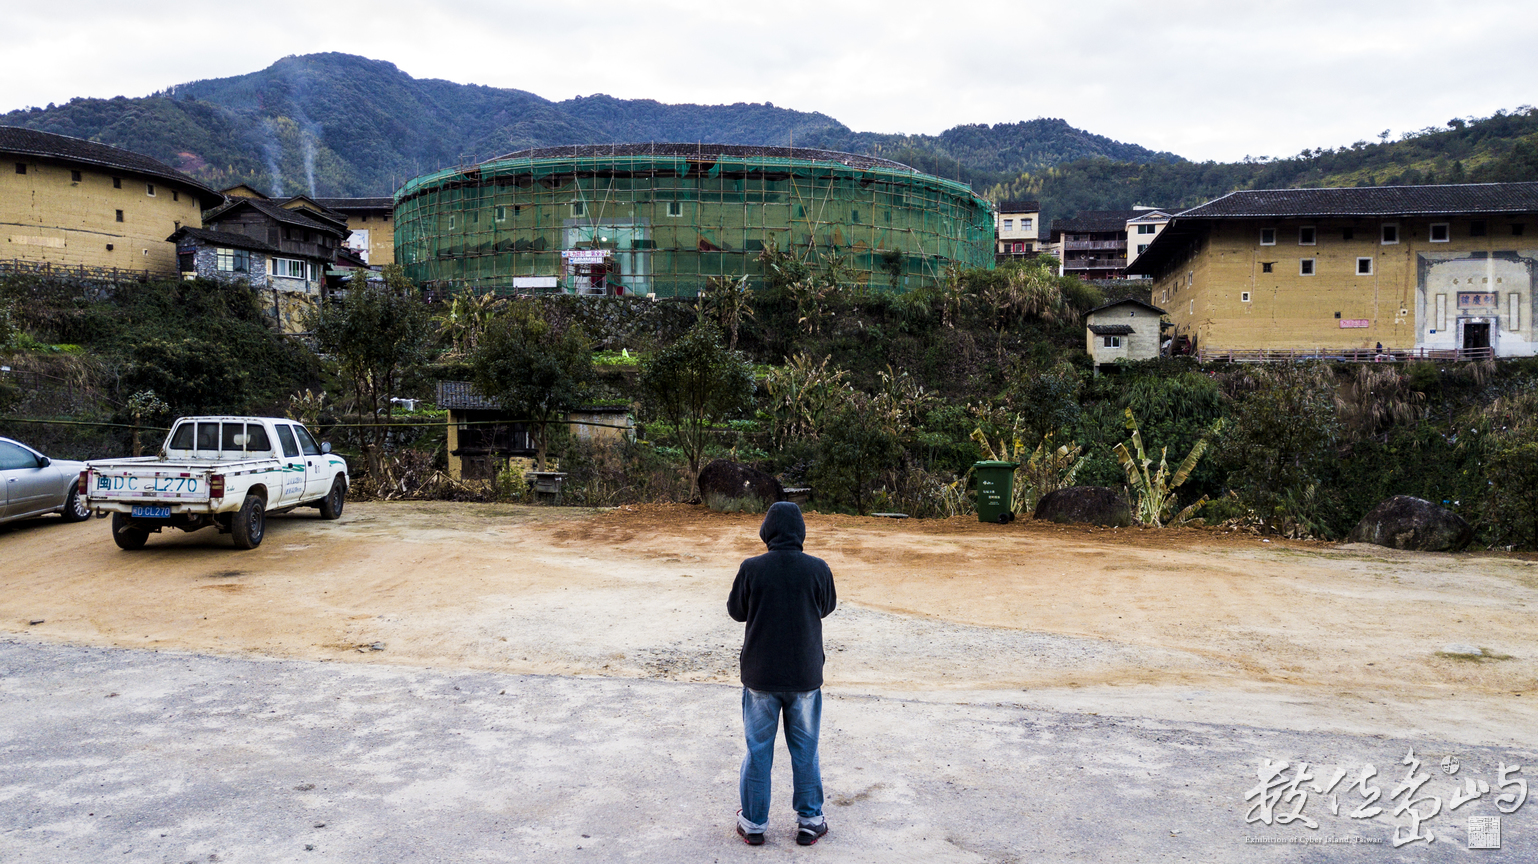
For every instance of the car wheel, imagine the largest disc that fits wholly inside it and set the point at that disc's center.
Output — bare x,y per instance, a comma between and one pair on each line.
126,535
249,524
331,505
75,509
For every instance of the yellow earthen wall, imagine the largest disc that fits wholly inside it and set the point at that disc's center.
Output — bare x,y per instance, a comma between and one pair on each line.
1287,310
381,236
45,216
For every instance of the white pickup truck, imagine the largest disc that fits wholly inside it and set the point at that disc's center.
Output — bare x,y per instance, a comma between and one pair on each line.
224,472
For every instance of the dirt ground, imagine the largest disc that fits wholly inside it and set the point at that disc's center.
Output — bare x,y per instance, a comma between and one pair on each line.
1174,624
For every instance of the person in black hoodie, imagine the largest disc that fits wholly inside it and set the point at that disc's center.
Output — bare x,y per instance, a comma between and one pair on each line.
783,595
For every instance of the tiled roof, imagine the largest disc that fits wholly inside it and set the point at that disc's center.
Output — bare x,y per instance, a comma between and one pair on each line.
1467,198
222,238
281,214
1096,220
348,205
1019,207
461,395
704,151
1111,329
1133,300
30,142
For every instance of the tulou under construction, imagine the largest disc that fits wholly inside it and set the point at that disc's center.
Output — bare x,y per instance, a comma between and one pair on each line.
661,219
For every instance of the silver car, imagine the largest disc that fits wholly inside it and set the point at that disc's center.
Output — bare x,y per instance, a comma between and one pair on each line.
35,485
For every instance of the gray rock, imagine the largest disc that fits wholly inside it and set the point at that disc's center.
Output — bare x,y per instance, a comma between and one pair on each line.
1462,650
726,480
1095,505
1403,522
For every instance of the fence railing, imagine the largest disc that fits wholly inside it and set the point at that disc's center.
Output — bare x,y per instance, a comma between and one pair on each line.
1342,355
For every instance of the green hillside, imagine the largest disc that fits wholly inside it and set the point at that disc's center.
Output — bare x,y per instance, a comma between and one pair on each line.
336,125
1502,147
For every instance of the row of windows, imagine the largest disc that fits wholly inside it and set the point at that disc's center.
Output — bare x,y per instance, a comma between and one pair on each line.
1440,232
117,183
1308,266
675,209
239,261
1025,225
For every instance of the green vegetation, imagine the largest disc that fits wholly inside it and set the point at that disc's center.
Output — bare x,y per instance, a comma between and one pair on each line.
695,383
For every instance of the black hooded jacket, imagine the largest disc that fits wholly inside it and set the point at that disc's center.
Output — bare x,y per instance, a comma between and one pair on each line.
783,595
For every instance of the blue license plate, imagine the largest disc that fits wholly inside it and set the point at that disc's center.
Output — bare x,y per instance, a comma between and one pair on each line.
143,512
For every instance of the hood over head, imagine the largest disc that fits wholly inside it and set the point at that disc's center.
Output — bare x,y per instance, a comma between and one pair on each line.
783,527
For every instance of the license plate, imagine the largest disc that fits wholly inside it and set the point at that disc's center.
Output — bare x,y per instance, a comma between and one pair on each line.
143,512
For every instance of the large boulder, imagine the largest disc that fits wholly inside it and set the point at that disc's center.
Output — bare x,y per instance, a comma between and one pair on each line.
1403,522
1095,505
722,480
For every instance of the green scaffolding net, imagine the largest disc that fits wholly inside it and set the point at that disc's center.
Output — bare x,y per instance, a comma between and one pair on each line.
659,220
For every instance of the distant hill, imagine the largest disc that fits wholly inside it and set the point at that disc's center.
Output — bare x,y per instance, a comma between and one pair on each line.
338,125
1502,147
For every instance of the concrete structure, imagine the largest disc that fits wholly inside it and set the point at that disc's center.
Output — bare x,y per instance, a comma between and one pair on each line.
482,437
1413,268
1123,330
370,225
662,219
1017,228
1094,243
71,203
1142,229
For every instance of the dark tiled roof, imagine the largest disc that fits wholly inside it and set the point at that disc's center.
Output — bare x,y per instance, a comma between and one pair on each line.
704,151
349,205
30,142
1468,198
301,218
1019,207
1096,220
1133,300
1111,329
222,238
461,395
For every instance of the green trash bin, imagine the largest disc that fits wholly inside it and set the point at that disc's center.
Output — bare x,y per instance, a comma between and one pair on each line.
995,491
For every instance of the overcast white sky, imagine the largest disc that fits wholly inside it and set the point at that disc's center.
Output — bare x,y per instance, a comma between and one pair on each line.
1204,79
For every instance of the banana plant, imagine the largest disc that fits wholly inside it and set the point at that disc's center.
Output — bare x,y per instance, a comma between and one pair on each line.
1155,492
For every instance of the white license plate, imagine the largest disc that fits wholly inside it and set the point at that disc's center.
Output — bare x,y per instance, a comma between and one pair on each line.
145,512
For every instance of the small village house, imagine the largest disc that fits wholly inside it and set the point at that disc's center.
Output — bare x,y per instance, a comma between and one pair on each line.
1123,330
483,437
1017,229
1094,243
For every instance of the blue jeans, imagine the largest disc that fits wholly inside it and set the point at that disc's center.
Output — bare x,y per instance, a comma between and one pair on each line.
803,717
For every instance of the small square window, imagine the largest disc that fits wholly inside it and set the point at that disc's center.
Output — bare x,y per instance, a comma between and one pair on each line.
1268,236
1111,342
675,208
74,176
501,214
1517,229
119,215
1439,232
149,189
1265,266
578,208
1348,233
1009,224
1306,235
1477,228
451,223
117,182
1244,296
1364,266
1305,267
1390,234
1145,229
109,247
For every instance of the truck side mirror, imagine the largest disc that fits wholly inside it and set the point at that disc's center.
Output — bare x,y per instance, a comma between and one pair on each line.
325,446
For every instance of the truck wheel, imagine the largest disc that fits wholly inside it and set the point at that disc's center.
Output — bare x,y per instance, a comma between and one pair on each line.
125,535
249,524
331,505
75,509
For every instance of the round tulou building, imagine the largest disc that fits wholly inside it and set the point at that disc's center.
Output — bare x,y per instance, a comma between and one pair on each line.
661,219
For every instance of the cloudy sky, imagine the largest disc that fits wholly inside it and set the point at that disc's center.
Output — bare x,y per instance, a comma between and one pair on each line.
1204,79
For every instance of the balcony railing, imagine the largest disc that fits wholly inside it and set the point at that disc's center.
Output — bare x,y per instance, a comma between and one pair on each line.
1094,244
1094,263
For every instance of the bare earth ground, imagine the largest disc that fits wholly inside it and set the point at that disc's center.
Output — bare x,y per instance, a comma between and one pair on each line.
1183,627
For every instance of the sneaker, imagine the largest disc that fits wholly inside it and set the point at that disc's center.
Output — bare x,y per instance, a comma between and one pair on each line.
751,839
808,835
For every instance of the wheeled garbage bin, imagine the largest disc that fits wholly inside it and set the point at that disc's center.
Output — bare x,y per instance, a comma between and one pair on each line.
995,491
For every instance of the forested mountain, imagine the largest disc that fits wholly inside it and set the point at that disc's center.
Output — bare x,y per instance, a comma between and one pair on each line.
336,124
1502,147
